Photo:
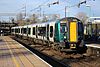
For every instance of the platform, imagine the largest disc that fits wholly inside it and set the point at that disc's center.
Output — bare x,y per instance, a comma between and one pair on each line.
13,54
93,45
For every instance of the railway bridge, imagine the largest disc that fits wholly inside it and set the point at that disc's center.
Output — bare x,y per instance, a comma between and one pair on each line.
5,27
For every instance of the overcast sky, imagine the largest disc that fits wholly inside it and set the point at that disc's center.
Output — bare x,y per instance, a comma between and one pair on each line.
15,6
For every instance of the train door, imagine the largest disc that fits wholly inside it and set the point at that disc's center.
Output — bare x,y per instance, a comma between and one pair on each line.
51,34
27,29
36,31
22,29
63,30
48,32
73,34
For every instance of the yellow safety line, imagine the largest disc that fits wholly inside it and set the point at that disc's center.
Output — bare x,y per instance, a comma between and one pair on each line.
15,61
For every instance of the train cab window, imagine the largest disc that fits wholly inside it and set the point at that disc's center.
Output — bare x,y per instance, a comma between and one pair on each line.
33,30
80,29
51,31
63,27
29,30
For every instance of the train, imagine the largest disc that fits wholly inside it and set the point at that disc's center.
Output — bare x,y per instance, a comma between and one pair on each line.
92,29
61,34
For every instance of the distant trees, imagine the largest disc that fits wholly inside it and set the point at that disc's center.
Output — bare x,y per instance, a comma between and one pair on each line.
24,21
82,16
45,19
35,18
20,19
51,17
12,20
19,16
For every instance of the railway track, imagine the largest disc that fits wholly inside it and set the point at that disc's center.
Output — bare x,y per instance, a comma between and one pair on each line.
58,59
47,58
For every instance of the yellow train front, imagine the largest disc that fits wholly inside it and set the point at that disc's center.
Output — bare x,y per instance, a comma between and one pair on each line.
74,36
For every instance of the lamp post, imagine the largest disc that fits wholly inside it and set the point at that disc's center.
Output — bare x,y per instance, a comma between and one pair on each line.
90,24
67,9
89,10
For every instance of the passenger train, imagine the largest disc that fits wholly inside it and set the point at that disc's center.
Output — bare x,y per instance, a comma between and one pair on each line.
61,34
92,29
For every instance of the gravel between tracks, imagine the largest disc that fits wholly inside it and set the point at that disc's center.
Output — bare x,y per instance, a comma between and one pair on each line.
73,60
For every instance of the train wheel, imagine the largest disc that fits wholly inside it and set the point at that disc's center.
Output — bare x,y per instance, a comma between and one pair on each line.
48,44
82,47
52,46
57,47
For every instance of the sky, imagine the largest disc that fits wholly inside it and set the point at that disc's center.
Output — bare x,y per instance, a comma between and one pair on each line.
16,6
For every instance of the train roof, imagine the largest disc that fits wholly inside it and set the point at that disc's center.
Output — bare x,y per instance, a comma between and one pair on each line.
39,24
43,23
69,18
15,27
54,21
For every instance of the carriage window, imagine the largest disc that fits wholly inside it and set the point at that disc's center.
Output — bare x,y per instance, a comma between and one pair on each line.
51,31
42,31
25,31
29,30
18,30
15,30
12,30
21,30
33,30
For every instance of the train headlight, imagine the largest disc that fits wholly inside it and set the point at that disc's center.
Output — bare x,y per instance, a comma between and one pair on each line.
64,37
73,46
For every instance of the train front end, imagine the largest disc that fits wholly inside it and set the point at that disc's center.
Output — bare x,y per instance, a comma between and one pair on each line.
75,35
